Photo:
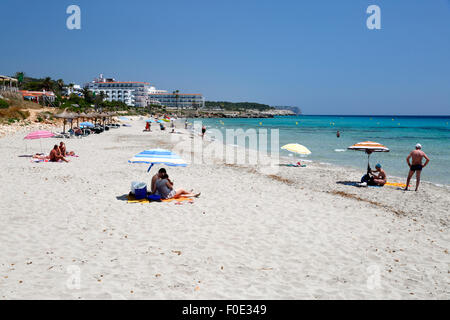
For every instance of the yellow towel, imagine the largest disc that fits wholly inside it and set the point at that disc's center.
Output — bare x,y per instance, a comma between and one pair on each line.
395,184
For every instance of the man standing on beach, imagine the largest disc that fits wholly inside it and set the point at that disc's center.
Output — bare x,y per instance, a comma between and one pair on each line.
416,166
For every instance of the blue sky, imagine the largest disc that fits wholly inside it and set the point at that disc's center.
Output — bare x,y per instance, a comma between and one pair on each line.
318,55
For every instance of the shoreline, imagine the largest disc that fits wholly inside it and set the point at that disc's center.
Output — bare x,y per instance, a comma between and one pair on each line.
253,234
354,169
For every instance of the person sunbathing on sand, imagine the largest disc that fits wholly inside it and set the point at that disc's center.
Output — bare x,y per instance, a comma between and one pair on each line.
379,175
63,152
164,188
40,156
55,155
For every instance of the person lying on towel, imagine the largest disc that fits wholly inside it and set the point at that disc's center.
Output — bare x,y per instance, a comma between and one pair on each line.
40,157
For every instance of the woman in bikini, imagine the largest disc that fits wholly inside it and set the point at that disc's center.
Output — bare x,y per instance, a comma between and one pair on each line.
62,150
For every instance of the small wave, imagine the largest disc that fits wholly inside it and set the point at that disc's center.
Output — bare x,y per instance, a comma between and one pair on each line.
339,150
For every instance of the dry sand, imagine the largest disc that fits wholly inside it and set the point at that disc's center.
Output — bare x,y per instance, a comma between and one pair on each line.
67,233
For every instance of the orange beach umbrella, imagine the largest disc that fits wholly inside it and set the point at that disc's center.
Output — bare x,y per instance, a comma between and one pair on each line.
369,147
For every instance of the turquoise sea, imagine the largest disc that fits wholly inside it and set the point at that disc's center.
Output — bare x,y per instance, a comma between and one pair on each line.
398,133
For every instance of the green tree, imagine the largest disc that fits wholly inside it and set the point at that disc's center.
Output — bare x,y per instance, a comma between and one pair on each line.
176,97
3,104
19,76
47,83
88,96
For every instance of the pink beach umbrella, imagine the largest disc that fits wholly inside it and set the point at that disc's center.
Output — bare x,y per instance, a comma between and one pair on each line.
39,135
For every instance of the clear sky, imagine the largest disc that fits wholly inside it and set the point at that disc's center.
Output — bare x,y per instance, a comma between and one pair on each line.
318,55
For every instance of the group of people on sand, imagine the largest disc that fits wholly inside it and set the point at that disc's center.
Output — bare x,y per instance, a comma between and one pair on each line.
415,163
148,127
161,185
58,153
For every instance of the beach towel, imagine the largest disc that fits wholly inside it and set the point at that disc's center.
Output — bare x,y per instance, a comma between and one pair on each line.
392,184
38,160
44,160
396,184
293,165
132,199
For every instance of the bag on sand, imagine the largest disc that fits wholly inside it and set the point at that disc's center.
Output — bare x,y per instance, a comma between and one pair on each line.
368,179
154,197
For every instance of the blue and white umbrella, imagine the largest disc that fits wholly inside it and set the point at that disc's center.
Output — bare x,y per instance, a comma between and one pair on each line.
149,120
87,124
158,156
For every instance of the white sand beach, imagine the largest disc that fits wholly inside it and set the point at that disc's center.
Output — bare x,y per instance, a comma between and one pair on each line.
67,231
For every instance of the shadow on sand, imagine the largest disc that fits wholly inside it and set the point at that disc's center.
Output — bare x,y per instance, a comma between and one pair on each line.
348,183
123,197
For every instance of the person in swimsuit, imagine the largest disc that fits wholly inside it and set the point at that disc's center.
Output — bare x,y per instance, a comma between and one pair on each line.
379,175
203,131
164,188
55,155
416,166
63,151
40,157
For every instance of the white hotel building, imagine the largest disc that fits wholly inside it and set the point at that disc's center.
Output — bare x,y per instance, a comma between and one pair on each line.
179,100
133,93
141,94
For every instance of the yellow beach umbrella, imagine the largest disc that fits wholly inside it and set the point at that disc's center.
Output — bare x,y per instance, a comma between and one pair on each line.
296,148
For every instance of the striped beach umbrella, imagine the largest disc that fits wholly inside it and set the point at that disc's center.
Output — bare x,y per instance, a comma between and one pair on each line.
369,147
158,156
